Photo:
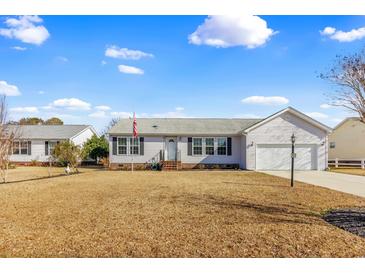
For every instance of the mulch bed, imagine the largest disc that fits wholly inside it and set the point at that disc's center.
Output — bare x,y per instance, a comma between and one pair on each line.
351,220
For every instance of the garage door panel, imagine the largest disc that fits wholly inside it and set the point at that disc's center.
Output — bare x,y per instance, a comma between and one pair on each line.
278,157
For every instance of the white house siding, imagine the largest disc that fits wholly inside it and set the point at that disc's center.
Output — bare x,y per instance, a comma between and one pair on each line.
235,158
152,147
82,137
279,131
38,153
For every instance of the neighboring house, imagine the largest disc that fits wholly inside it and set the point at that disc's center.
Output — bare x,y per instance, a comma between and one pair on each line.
347,141
255,144
36,142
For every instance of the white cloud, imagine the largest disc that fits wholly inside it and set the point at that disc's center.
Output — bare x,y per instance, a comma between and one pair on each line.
103,63
124,53
266,100
26,29
179,109
103,107
8,90
325,106
19,48
122,114
71,103
130,70
224,31
61,59
342,36
317,115
41,92
98,114
24,109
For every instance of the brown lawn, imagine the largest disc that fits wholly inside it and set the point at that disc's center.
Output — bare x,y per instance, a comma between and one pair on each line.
349,170
169,214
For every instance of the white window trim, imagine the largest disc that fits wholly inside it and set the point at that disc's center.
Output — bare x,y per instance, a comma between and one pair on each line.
49,147
20,147
202,146
215,140
205,146
128,146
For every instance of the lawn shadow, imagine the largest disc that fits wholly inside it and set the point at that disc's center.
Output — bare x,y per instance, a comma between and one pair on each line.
280,213
256,184
39,178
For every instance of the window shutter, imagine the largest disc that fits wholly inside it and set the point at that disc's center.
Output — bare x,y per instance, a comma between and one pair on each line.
141,145
229,146
190,146
46,148
114,145
29,148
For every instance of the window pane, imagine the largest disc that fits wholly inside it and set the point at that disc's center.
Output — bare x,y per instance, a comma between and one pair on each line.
197,141
16,148
209,150
222,146
122,150
332,145
209,141
122,141
23,148
51,146
197,150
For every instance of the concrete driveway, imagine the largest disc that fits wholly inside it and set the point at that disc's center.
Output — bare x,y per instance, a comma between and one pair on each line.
341,182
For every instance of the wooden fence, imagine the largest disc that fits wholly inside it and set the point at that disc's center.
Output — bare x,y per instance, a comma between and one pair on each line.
347,163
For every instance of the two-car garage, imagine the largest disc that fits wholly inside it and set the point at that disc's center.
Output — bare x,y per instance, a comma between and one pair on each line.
278,157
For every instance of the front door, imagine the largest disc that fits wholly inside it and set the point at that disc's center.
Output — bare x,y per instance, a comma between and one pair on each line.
171,149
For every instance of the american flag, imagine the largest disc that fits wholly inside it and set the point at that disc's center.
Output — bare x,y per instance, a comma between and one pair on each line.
135,132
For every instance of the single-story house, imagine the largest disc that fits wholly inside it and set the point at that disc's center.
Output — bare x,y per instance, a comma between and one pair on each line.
347,141
254,144
36,142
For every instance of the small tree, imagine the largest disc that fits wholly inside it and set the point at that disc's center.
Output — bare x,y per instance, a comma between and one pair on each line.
53,121
7,136
69,153
31,121
348,73
95,147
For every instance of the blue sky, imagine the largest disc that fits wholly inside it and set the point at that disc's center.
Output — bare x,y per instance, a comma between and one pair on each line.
88,69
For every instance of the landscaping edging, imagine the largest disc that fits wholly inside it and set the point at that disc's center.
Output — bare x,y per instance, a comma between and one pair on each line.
349,219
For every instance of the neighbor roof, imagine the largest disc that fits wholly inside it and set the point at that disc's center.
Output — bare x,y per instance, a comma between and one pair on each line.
47,131
183,126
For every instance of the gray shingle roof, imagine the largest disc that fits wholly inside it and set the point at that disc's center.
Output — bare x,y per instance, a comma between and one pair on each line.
46,131
183,126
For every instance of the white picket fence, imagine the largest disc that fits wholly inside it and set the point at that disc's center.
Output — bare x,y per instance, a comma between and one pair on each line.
347,163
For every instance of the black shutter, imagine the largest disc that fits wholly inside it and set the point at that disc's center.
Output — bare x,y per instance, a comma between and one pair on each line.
141,145
114,145
46,148
229,146
29,148
190,146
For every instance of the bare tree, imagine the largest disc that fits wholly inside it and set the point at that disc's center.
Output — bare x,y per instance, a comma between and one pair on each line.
348,73
6,139
111,124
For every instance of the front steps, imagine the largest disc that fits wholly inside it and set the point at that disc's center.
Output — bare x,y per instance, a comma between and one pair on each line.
171,165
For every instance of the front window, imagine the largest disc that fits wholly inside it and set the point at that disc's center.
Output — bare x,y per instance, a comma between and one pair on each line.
51,147
197,146
222,146
332,145
122,146
24,148
16,149
209,146
134,146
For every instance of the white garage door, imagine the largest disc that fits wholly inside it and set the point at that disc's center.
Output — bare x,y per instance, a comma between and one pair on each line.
277,157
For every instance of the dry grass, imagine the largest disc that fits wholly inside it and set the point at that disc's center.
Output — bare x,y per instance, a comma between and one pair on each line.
170,214
349,170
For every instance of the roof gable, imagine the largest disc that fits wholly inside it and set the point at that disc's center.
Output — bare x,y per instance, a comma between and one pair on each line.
294,112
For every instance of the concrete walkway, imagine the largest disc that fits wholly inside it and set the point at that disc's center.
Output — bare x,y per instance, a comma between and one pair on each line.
341,182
